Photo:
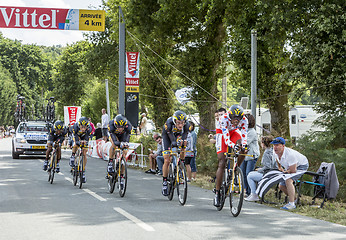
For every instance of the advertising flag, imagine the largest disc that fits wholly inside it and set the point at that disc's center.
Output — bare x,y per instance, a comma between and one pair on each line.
72,114
132,87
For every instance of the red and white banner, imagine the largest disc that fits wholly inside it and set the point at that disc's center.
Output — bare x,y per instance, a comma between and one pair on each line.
132,65
52,18
72,114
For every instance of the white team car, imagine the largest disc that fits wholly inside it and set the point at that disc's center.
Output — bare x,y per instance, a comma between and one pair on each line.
30,138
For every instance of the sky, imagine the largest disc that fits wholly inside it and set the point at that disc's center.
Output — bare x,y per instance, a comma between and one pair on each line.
47,37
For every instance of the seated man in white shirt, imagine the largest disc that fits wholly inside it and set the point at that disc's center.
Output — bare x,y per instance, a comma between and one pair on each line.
289,161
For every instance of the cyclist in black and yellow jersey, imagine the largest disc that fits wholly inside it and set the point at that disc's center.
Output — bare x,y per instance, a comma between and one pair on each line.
174,127
81,134
120,130
56,135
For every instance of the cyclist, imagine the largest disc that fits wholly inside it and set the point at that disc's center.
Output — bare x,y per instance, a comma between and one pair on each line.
81,133
174,127
56,135
234,126
120,131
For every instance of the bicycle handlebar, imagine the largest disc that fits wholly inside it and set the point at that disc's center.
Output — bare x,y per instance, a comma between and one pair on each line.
241,154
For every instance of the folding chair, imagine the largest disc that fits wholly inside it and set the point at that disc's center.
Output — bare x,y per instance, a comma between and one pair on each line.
318,181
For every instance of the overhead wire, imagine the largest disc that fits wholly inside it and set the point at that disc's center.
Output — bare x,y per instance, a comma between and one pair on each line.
134,37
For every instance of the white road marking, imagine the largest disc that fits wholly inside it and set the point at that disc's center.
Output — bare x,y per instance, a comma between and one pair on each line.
140,223
95,195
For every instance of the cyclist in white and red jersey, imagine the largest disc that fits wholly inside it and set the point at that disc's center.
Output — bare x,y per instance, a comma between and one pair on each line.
234,135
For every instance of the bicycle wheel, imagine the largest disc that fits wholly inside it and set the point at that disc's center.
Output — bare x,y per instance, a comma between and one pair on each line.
182,184
171,181
222,197
237,192
122,183
80,171
75,171
52,170
112,177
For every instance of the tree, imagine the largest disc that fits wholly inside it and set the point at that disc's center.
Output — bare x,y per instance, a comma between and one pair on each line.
30,70
7,97
188,34
71,81
273,21
319,61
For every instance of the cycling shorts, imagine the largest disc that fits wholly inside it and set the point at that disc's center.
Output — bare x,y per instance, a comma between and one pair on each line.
54,138
234,136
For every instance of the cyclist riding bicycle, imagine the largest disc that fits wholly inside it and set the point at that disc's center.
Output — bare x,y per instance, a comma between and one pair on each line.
174,127
56,135
234,135
81,134
120,131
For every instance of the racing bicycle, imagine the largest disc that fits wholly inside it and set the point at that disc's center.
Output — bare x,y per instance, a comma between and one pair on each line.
177,178
78,169
53,160
232,184
118,178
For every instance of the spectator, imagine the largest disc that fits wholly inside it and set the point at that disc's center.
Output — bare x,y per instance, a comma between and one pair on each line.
194,149
105,121
289,161
98,131
249,163
143,125
189,154
155,157
92,128
267,164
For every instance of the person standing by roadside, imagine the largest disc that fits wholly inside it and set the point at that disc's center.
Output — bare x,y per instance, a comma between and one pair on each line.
98,131
249,163
92,128
105,121
143,125
194,147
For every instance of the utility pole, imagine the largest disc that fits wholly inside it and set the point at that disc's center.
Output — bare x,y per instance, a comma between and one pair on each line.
253,72
107,99
121,90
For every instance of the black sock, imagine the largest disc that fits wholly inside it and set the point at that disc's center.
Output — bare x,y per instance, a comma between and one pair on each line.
164,179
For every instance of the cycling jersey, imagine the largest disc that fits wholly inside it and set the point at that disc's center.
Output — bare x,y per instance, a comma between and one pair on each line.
170,133
78,135
54,137
218,136
118,137
227,127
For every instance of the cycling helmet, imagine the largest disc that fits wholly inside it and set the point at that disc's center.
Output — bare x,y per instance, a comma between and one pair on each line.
179,115
83,121
58,125
236,111
120,121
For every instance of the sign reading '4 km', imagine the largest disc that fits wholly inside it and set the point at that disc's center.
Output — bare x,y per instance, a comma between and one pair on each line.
91,20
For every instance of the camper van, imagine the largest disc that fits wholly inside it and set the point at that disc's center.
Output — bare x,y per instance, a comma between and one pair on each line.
301,119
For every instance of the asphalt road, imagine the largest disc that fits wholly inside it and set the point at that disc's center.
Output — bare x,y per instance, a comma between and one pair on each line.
31,208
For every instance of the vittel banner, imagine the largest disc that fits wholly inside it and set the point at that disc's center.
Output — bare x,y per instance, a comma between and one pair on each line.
72,114
52,18
132,87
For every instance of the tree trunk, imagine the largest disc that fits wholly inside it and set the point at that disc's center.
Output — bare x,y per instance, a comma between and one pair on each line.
279,117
